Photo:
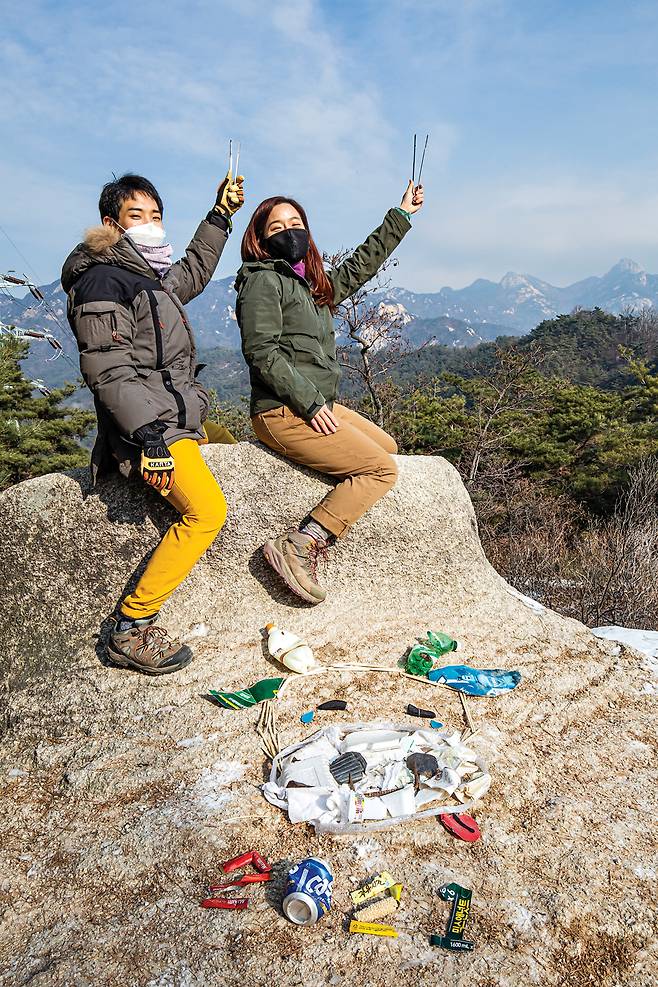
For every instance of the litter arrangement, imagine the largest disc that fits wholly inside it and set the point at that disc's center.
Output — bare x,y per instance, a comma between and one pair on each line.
352,778
357,777
309,891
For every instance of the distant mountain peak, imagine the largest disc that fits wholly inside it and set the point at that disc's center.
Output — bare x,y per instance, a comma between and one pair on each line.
626,266
513,280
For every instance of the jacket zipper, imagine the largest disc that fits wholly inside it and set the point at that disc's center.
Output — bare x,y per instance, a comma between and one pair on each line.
177,396
159,360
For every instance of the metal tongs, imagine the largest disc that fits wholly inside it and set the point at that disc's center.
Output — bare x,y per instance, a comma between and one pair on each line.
422,161
233,196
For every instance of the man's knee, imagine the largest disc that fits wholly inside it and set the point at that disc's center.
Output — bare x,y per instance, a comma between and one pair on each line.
211,514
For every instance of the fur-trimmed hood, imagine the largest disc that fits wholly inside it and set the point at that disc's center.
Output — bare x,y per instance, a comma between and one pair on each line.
98,239
103,245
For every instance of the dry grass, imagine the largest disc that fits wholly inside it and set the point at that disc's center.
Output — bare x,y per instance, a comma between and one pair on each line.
590,958
598,571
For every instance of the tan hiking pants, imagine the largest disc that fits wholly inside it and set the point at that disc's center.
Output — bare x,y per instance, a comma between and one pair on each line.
358,454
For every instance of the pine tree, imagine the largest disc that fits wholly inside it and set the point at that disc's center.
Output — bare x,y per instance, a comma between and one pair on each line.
37,434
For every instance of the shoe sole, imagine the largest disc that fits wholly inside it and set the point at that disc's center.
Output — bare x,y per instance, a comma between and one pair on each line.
281,567
117,658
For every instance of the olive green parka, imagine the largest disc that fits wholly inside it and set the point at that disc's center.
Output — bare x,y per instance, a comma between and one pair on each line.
288,341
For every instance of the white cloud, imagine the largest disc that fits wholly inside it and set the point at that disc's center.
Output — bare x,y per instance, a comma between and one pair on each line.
325,101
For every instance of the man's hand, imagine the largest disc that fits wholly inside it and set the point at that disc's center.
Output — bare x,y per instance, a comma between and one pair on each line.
157,464
412,199
324,421
230,195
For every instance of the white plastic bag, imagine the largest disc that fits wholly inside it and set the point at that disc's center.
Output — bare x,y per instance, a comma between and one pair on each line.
341,809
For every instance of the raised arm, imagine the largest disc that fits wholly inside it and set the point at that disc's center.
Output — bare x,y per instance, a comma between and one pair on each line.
258,311
189,276
366,260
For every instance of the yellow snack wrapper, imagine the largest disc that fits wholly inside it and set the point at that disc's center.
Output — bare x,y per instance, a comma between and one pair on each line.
372,929
377,885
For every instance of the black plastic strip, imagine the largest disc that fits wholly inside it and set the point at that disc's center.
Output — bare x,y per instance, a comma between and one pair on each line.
157,329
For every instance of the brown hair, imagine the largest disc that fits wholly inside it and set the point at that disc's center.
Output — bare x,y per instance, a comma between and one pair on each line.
253,248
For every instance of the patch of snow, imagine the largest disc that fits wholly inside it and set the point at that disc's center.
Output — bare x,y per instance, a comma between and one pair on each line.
529,602
212,789
646,642
522,918
368,852
197,630
419,957
513,280
178,976
644,873
197,741
394,311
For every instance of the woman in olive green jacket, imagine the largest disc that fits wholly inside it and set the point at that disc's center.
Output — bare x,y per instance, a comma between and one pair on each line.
285,307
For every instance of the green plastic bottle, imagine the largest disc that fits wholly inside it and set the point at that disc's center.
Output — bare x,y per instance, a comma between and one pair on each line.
421,658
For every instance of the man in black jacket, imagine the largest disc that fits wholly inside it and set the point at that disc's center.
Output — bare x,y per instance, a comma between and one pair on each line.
137,356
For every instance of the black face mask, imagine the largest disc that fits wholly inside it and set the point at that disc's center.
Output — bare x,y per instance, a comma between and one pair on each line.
290,245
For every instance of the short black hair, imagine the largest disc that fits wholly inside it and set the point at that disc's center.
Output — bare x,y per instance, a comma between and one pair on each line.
115,193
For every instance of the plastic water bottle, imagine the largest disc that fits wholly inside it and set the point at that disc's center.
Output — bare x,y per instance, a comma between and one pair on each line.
289,649
308,891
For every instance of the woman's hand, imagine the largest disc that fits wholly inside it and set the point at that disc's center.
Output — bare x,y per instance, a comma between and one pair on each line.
412,199
324,421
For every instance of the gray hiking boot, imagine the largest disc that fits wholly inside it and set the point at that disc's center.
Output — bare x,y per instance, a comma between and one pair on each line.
295,557
147,649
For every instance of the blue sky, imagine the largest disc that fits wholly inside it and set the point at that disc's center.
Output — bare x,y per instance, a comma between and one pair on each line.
542,158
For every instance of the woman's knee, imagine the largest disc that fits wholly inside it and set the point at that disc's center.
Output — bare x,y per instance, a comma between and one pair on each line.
387,471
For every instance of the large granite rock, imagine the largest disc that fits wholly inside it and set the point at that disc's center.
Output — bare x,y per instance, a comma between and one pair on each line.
122,794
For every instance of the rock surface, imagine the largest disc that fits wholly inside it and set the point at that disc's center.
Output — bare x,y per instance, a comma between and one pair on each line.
122,794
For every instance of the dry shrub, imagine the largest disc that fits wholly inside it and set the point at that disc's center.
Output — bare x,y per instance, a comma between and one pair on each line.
598,571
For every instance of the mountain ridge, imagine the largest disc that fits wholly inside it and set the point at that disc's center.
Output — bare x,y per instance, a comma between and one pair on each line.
456,317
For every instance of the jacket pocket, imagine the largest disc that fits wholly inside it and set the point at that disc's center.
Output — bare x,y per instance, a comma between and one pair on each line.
309,348
98,327
160,399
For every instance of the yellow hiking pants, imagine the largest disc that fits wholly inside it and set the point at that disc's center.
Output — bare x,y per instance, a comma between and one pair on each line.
200,501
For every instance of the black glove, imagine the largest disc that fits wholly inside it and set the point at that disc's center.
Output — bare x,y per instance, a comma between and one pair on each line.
157,464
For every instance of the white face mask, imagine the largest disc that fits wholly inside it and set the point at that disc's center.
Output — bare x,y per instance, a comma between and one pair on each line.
146,234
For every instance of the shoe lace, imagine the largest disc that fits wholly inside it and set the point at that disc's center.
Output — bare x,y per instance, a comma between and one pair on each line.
317,552
154,640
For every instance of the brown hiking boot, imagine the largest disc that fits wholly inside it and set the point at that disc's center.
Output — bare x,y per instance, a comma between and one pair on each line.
147,649
295,557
